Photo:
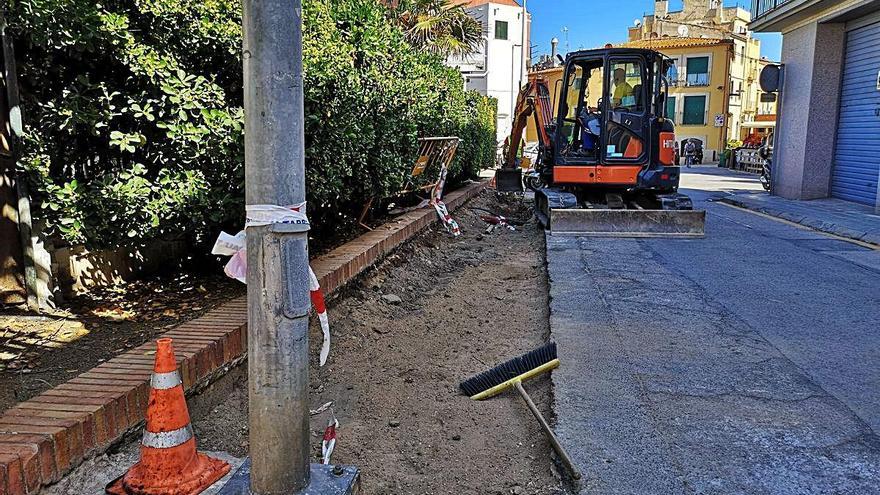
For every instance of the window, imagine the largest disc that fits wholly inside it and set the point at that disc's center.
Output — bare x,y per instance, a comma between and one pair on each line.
626,86
698,71
622,140
672,73
500,30
579,133
694,110
573,84
670,108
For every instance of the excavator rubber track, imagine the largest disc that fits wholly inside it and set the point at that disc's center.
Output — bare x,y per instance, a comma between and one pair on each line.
560,213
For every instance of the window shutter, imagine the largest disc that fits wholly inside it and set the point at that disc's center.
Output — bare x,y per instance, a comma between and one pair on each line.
500,30
694,110
698,65
670,108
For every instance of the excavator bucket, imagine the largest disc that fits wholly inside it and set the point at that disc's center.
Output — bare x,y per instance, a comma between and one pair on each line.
508,180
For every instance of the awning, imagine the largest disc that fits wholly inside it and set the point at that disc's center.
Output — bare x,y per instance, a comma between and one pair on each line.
756,125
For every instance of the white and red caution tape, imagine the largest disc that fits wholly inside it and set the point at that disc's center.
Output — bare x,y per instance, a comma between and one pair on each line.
450,224
329,441
257,215
318,303
496,221
236,247
438,204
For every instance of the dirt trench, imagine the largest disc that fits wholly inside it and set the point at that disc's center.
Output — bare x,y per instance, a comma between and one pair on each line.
466,304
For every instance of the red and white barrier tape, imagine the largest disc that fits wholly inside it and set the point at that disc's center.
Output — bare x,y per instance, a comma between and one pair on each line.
496,221
329,441
438,204
450,224
318,303
257,215
235,246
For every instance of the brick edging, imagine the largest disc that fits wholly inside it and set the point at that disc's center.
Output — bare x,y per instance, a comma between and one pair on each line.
44,438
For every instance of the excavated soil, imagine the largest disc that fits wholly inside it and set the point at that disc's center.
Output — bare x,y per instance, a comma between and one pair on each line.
465,304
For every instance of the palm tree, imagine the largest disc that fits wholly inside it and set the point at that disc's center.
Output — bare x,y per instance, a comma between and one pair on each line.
437,26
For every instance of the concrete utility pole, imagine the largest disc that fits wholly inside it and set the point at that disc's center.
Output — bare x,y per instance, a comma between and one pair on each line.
277,279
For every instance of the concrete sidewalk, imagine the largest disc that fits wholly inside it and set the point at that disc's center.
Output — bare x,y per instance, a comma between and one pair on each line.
834,216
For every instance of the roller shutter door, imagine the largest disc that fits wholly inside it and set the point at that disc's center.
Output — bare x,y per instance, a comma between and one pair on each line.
857,151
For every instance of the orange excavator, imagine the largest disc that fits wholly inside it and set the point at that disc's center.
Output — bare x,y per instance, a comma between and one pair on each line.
605,161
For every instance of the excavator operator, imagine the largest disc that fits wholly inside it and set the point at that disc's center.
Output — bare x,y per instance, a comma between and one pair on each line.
622,89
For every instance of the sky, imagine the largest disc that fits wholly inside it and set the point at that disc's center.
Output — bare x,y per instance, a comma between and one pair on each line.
593,23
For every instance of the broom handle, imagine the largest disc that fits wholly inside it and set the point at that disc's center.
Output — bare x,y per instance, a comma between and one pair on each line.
553,440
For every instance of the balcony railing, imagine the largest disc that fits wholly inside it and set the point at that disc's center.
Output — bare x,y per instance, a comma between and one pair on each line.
760,8
690,81
698,79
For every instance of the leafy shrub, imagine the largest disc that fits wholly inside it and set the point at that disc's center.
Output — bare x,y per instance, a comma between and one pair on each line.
134,116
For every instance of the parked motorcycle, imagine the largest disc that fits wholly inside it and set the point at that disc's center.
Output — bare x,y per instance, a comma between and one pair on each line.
765,153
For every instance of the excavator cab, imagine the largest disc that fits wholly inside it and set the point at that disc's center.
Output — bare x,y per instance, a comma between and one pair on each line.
611,125
608,149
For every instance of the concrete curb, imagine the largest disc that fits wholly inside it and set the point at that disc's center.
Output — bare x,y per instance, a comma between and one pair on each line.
44,438
806,221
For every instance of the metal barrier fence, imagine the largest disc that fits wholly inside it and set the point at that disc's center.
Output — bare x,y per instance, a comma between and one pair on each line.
435,154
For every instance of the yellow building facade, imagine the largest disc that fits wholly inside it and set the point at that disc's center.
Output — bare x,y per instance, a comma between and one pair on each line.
700,89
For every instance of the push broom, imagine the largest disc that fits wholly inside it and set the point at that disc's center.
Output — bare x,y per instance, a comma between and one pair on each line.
511,374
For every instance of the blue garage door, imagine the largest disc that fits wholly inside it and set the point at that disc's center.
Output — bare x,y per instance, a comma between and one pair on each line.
857,155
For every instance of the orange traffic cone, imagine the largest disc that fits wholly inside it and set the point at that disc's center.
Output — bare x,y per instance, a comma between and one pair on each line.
169,462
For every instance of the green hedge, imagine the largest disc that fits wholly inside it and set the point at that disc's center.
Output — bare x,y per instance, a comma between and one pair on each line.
134,121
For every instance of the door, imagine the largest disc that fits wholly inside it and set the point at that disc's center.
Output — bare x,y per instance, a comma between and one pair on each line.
857,151
626,111
579,121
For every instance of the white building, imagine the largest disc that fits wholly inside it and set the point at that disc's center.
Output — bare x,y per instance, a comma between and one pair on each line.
499,68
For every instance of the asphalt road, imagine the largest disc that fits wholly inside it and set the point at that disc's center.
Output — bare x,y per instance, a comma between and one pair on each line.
746,362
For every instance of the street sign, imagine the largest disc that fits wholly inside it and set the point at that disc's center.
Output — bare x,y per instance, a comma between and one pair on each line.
770,78
719,120
768,97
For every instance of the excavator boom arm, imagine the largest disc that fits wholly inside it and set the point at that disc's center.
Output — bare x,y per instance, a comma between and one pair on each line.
533,99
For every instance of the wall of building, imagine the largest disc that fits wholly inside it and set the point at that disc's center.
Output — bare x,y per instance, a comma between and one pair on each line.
813,47
498,68
712,132
700,17
808,122
552,76
744,87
